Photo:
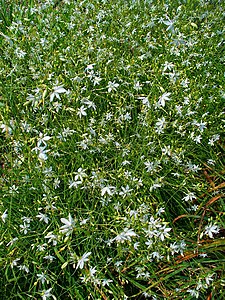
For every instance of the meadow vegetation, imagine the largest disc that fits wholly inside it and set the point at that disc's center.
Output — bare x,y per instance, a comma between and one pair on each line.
112,149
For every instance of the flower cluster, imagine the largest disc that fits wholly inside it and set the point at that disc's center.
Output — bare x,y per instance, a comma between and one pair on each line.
111,135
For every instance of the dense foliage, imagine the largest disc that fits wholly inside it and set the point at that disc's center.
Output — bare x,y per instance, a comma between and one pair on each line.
112,149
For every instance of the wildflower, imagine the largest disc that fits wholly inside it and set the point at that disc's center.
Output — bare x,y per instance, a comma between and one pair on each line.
90,104
189,197
196,139
160,211
201,126
156,255
168,66
146,295
41,248
74,183
157,184
97,80
49,257
192,167
162,100
80,174
57,90
213,139
145,101
52,238
105,282
149,243
68,227
151,166
56,183
84,221
82,260
209,279
125,191
24,227
193,293
211,229
162,232
125,235
92,271
41,277
13,189
170,24
42,140
6,129
118,263
4,216
10,243
81,111
108,189
43,217
112,86
177,248
47,294
160,125
136,245
14,262
20,53
23,268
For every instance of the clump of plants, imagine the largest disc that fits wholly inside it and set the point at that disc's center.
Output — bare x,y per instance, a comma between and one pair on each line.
112,150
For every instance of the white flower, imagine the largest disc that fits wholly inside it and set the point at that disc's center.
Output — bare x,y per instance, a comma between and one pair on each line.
105,282
136,245
81,111
20,53
47,294
92,271
82,260
209,278
68,227
125,191
49,257
4,216
14,262
80,174
6,128
162,232
52,238
156,255
160,125
74,183
43,217
162,100
42,277
24,227
57,90
189,197
10,243
108,190
90,104
23,268
125,235
151,166
43,155
211,229
193,293
42,140
170,24
112,86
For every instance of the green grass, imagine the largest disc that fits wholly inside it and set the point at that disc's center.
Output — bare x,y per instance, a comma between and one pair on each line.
112,150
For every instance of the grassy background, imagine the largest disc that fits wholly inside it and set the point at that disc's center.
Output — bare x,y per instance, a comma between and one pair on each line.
86,134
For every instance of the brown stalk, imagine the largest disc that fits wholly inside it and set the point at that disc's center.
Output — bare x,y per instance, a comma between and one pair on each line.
208,178
220,186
